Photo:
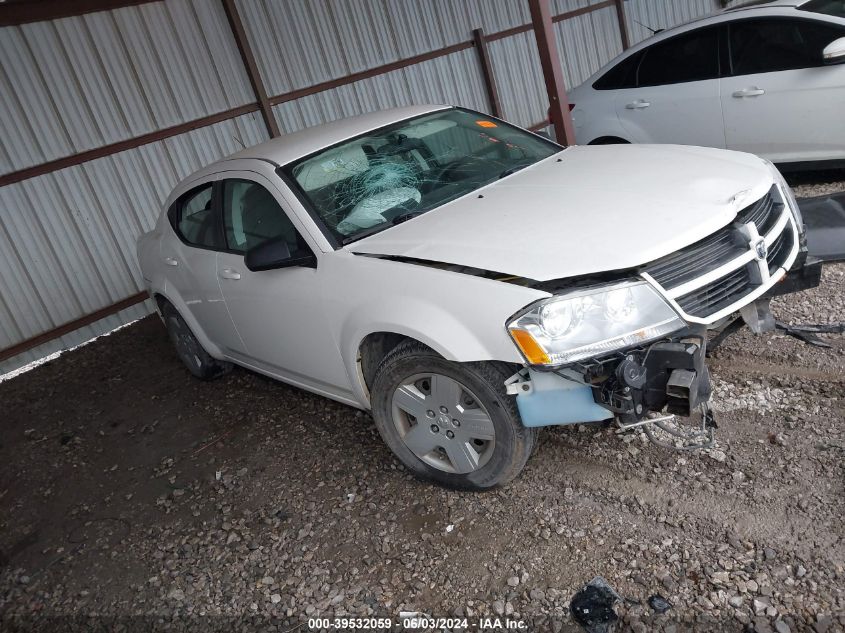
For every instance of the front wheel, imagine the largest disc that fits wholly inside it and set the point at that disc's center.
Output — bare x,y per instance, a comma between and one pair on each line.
449,422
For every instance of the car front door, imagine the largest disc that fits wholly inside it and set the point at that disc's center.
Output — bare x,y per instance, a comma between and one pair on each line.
676,98
279,314
780,101
189,255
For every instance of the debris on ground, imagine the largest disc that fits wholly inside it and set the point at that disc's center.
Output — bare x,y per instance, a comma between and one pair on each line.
592,607
659,604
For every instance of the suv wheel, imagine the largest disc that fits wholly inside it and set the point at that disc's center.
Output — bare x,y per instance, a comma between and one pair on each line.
449,422
199,362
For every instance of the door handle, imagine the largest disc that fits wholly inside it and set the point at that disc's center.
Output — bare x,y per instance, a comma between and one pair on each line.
170,261
228,273
639,104
749,92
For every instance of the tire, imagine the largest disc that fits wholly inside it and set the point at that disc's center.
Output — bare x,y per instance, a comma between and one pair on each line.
488,448
199,362
609,140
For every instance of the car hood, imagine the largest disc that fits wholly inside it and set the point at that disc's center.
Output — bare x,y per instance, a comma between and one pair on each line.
585,210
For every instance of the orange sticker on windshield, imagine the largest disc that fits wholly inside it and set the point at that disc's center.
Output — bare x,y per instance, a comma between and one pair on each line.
486,124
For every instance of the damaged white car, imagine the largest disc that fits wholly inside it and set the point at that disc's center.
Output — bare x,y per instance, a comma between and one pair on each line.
469,281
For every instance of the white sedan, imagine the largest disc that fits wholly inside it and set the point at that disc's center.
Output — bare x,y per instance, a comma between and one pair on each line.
466,280
766,78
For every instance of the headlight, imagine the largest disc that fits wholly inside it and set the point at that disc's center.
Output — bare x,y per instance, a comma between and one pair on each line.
592,322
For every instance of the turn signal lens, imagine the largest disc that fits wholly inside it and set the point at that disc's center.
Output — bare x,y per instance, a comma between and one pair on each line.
532,351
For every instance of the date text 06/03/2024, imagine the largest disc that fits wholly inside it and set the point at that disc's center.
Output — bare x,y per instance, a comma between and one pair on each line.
418,623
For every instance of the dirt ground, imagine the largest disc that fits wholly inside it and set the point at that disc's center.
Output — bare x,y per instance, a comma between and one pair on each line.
129,488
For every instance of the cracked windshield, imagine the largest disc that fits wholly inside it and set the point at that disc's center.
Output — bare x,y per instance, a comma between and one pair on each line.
384,178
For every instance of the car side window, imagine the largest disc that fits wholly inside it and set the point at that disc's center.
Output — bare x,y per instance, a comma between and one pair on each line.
763,46
195,219
623,75
251,216
692,56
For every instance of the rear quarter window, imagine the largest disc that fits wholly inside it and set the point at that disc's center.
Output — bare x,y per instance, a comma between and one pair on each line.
623,75
194,218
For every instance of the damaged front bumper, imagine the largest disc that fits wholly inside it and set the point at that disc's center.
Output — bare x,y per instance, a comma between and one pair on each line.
669,374
765,253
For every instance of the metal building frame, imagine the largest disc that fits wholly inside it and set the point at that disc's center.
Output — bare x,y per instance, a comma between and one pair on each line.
17,12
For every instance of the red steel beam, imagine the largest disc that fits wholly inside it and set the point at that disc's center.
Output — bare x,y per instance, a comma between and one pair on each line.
251,66
560,17
70,326
541,18
487,72
17,12
369,73
120,146
623,24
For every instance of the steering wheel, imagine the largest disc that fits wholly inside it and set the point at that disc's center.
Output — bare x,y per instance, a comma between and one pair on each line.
451,171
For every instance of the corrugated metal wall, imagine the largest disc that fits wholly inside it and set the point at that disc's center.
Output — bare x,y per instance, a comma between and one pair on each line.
67,238
663,14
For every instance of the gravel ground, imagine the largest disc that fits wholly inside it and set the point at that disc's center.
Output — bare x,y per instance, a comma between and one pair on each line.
817,183
129,488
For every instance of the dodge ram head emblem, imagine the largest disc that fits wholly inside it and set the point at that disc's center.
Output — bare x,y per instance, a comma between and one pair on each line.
760,249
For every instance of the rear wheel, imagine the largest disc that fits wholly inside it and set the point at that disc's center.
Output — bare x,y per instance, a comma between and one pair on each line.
449,422
609,140
190,351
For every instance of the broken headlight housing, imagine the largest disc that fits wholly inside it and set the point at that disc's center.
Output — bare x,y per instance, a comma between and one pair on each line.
592,322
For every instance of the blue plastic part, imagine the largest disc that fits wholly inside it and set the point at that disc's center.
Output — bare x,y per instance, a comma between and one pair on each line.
555,400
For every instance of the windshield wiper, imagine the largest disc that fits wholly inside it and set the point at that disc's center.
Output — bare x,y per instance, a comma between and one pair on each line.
365,233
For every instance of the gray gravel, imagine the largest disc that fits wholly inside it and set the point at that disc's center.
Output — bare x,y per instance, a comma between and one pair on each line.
127,487
817,183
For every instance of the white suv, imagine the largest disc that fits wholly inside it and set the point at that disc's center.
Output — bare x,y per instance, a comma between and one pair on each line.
466,280
767,79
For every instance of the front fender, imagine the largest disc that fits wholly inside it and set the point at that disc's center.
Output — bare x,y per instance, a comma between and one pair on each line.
460,316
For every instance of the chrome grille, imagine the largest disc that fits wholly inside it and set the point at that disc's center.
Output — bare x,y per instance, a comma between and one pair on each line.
764,213
779,251
714,250
720,294
737,253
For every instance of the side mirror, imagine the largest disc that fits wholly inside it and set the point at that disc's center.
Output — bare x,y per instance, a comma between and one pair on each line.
834,53
275,254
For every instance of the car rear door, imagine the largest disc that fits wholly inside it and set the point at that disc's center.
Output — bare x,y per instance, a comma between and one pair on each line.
676,98
189,256
279,314
780,101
